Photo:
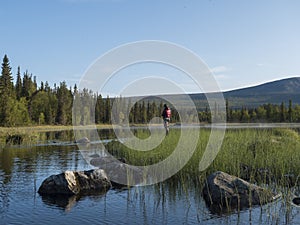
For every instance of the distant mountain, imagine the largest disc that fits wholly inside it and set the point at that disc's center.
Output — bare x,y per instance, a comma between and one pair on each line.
274,92
284,86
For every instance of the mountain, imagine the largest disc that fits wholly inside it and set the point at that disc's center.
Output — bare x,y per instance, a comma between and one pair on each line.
274,92
284,86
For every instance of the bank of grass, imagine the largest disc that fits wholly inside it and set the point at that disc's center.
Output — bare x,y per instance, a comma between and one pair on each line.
31,133
258,155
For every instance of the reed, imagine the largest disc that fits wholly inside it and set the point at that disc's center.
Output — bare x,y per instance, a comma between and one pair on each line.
259,155
267,157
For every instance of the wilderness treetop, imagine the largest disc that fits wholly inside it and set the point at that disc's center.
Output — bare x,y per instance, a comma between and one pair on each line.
25,103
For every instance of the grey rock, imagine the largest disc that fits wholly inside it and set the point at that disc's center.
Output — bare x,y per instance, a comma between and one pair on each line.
120,174
223,191
84,140
75,182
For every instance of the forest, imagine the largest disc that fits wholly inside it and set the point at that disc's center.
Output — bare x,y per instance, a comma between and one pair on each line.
24,102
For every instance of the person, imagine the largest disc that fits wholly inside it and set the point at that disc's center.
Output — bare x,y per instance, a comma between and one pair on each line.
166,114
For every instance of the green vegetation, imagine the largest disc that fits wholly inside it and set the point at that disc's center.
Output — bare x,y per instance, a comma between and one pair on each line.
25,103
257,155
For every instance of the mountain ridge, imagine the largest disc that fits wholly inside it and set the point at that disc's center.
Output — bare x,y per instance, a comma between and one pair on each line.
286,85
273,92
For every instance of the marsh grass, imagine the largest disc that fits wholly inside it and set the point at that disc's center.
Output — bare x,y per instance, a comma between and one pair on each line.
266,157
32,134
258,155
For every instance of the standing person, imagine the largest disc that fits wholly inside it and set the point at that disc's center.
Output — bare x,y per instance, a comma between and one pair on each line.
166,114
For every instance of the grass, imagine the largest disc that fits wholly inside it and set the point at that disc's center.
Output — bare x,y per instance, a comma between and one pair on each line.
267,157
258,155
30,134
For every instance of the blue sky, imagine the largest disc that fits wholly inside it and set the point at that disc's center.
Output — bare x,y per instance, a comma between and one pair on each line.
243,42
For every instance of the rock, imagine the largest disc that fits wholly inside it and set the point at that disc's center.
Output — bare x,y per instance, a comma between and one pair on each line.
84,140
14,139
290,180
120,174
257,174
73,182
296,201
223,191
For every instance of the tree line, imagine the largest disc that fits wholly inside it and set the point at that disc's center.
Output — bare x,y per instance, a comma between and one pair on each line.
266,113
24,102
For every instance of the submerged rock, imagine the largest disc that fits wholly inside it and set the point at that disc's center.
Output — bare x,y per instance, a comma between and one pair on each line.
223,191
75,182
14,139
258,174
296,201
84,140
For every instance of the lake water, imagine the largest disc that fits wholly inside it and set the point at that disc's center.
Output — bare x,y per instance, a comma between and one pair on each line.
23,168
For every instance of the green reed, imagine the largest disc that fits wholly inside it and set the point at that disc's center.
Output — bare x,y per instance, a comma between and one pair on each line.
259,155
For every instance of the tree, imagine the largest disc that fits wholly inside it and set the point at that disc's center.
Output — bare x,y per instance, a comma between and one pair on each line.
290,111
107,110
6,79
64,100
19,85
261,113
20,111
7,93
282,112
228,111
40,104
143,113
29,87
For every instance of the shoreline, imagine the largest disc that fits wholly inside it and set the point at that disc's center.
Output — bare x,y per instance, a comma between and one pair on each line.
48,128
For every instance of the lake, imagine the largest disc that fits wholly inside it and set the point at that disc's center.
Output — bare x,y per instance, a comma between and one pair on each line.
23,168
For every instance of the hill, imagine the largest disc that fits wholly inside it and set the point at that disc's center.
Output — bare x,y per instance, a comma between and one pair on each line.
274,92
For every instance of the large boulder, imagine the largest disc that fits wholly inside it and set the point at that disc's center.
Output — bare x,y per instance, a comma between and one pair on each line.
223,191
120,174
75,182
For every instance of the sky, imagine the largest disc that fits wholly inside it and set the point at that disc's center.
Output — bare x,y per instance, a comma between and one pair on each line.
244,43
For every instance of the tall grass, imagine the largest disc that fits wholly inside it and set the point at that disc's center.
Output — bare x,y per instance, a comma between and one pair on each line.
257,155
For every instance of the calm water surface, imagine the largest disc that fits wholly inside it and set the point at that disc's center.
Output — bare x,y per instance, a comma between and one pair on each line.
23,168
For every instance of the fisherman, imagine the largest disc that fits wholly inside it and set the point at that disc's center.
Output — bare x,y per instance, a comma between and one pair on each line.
166,114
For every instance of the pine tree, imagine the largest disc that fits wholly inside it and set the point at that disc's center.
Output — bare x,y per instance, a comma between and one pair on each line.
282,112
6,79
29,87
290,111
65,100
19,85
107,110
143,112
99,116
7,93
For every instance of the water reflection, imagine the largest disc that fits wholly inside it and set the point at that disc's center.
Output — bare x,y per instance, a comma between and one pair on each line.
66,202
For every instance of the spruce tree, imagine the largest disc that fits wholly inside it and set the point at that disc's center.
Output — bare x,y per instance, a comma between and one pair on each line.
7,93
6,79
19,84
